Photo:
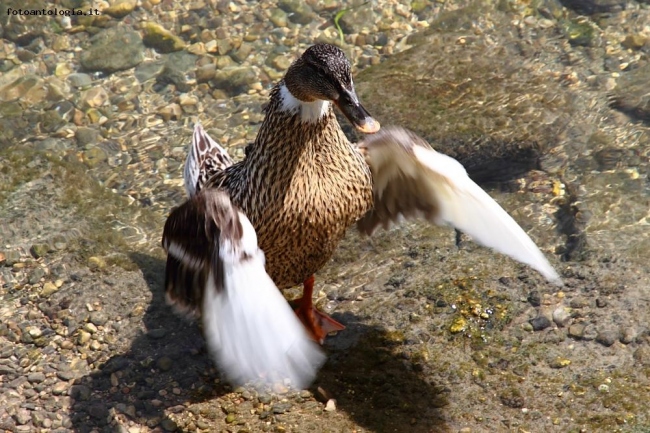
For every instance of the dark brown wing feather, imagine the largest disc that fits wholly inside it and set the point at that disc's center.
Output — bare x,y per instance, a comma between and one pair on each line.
191,238
395,194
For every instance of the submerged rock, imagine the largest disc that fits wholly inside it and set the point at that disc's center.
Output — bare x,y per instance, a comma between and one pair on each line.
112,50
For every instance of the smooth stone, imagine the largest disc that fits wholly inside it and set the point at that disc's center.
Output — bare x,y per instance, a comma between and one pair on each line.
79,80
114,49
161,39
607,337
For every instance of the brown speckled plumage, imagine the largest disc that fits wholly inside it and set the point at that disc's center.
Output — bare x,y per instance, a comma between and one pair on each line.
301,186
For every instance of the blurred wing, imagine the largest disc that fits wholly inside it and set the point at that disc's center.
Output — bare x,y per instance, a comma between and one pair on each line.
204,159
215,268
413,180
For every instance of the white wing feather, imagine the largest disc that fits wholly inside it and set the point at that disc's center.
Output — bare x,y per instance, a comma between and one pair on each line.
249,326
467,207
411,179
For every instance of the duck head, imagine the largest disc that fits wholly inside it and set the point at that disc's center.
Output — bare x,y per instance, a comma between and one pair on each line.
320,76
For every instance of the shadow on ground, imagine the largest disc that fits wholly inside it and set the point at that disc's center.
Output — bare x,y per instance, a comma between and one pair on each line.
168,367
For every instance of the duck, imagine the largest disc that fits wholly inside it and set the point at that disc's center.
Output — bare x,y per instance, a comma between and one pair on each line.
250,229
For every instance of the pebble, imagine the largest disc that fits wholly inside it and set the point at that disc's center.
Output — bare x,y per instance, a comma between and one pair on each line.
642,356
48,289
84,337
583,331
281,407
607,337
628,335
539,323
34,332
113,49
22,416
161,39
561,316
94,97
60,388
330,406
35,275
535,298
98,318
36,377
165,363
168,425
121,8
157,334
79,80
579,302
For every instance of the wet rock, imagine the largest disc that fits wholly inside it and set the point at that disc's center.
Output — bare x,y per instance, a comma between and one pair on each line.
11,257
630,95
642,356
634,42
35,377
148,70
576,330
595,6
534,298
242,52
279,18
22,416
98,411
92,158
580,32
330,406
48,289
40,250
121,8
24,29
298,11
512,398
579,302
168,425
80,392
561,316
113,49
355,19
281,407
51,121
177,66
279,62
94,97
157,334
628,335
84,337
165,363
205,73
539,323
161,39
559,362
607,337
29,89
98,318
35,275
86,136
235,80
94,262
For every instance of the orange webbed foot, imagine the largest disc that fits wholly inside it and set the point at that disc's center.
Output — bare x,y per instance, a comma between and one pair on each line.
318,324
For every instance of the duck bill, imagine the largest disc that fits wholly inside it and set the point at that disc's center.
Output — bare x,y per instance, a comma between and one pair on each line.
349,104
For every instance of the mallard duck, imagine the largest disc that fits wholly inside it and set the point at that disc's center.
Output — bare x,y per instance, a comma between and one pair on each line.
272,220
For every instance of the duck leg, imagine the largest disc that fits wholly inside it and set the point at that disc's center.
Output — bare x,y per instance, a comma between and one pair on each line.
318,324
